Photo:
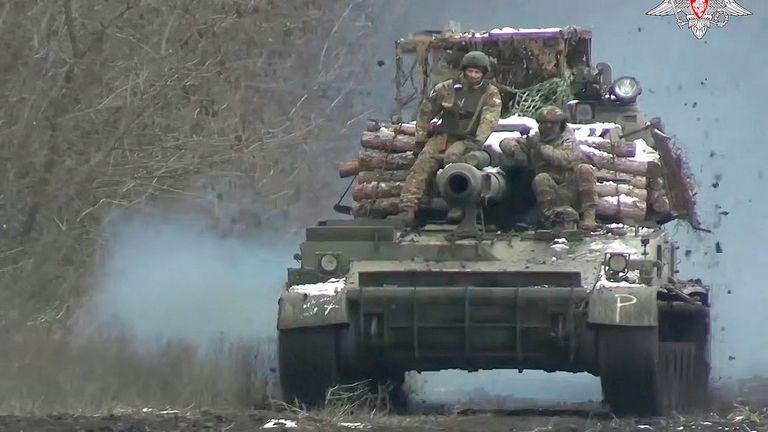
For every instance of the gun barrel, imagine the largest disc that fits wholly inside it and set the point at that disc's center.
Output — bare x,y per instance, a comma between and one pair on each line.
494,185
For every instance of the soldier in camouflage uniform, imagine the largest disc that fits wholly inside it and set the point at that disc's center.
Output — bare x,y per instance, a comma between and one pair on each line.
561,179
470,108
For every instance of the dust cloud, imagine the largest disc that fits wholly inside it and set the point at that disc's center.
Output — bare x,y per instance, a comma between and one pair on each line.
171,276
710,95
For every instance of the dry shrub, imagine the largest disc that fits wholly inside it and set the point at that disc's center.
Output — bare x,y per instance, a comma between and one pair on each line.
232,106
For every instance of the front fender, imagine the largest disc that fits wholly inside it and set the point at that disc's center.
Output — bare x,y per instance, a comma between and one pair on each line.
629,306
296,309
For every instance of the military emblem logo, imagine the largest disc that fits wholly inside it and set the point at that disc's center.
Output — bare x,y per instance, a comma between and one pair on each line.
700,15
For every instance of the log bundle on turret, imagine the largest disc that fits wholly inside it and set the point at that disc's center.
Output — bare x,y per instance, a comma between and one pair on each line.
630,184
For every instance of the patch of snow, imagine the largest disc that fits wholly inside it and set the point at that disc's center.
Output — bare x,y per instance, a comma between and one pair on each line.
644,152
519,120
355,425
592,130
496,138
492,169
559,247
623,199
561,241
632,282
330,287
524,30
644,427
275,423
616,246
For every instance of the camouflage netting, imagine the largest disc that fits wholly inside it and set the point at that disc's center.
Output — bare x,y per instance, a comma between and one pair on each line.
531,69
528,101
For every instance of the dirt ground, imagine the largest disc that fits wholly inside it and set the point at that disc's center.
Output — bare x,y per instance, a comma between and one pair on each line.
748,412
738,420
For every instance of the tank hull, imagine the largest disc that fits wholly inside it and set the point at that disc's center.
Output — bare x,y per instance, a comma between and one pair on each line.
472,328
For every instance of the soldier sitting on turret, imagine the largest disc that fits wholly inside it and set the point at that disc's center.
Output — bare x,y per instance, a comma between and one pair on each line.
470,108
561,179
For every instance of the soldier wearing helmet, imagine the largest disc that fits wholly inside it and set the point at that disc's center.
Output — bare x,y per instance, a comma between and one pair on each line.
469,107
561,179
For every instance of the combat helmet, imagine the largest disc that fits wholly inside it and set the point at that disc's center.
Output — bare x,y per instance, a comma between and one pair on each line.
551,113
476,59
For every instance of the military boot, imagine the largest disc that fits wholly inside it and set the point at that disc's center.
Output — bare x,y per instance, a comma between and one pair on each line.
564,218
588,220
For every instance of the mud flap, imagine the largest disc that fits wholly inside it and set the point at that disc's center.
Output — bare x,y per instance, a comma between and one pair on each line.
304,310
629,306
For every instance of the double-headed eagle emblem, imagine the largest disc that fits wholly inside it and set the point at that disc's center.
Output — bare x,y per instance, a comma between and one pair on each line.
700,14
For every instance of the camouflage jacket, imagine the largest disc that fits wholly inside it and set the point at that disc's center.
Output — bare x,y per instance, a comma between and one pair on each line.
557,156
467,113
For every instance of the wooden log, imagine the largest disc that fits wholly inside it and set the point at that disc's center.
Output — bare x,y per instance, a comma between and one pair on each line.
617,148
388,141
374,159
376,190
402,128
622,178
595,147
377,209
610,188
621,207
381,208
623,165
381,176
348,169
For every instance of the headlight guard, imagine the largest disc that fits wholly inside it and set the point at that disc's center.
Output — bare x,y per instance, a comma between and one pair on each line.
616,264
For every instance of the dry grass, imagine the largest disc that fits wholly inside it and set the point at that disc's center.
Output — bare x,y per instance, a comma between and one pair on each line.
108,372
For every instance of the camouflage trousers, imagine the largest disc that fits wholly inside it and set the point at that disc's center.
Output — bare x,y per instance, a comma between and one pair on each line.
429,161
575,189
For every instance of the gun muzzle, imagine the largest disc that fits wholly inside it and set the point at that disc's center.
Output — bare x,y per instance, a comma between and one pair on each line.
459,184
463,185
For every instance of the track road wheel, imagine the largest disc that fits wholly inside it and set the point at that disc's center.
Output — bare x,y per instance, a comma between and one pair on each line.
629,370
308,364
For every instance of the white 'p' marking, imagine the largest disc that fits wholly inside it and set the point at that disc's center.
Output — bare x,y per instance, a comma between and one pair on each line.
619,304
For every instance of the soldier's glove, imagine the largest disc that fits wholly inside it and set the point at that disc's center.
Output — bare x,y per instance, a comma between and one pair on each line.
513,153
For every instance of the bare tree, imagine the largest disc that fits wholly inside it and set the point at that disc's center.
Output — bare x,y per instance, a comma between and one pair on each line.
223,105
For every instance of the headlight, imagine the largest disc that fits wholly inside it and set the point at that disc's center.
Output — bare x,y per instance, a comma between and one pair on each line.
329,263
626,89
617,263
